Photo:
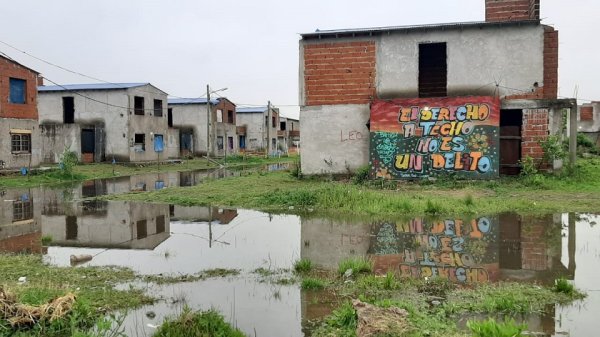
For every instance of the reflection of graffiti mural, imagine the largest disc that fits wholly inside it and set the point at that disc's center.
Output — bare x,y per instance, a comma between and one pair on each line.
426,137
458,250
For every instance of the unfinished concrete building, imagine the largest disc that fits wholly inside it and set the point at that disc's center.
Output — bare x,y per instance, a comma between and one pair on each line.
470,99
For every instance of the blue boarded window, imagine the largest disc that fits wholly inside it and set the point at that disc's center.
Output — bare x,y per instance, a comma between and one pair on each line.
17,91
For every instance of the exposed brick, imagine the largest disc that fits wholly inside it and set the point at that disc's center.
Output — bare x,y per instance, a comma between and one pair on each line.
511,10
586,113
339,73
10,69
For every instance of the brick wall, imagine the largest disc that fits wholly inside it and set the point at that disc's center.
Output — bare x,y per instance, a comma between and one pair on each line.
586,113
512,10
339,73
535,129
12,69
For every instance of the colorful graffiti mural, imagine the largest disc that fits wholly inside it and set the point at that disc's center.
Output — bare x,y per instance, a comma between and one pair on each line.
418,138
463,251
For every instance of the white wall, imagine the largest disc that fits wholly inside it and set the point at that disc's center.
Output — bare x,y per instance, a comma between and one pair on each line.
334,138
16,161
192,116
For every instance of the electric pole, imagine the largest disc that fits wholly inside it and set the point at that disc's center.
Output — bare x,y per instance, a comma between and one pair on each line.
208,113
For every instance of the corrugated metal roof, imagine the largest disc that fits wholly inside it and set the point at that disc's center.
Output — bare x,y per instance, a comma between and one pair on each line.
258,109
438,26
91,86
191,101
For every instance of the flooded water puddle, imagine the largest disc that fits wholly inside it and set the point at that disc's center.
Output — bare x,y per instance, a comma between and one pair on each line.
165,239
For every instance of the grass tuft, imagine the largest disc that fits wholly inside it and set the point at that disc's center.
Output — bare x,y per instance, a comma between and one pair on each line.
357,264
310,283
200,323
562,285
491,328
303,266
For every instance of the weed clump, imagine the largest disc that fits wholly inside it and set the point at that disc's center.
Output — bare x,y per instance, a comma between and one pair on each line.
310,283
201,323
361,175
491,328
303,266
356,264
561,285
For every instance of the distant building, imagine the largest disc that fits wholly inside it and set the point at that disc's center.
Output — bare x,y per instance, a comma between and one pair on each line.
19,134
471,99
121,121
257,130
288,135
189,115
589,121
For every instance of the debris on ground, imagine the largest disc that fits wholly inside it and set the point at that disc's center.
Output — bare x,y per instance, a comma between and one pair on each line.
18,314
373,320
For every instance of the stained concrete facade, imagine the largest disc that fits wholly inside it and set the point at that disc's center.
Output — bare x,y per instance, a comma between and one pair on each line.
342,72
589,121
108,114
258,132
190,117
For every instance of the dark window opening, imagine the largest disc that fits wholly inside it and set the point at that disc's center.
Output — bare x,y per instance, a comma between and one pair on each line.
17,90
68,110
139,141
142,229
160,224
71,227
230,116
20,143
22,210
138,105
230,143
282,126
274,121
266,120
158,108
433,70
170,117
511,122
242,142
220,142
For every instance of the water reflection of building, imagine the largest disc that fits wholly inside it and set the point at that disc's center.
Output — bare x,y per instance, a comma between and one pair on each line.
327,241
20,226
202,214
94,223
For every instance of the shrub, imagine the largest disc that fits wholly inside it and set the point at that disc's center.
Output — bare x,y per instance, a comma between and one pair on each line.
361,175
561,285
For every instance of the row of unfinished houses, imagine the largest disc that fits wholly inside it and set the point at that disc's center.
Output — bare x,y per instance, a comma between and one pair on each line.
126,122
467,99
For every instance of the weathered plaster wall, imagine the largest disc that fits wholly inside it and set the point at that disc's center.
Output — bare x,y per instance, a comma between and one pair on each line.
256,132
148,124
335,138
10,160
476,59
105,109
192,116
55,138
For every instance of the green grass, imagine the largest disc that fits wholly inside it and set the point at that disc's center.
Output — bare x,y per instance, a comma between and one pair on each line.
107,170
562,285
310,283
357,264
198,324
303,266
491,328
278,192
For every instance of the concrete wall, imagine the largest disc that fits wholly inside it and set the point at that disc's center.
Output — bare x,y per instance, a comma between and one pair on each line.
10,160
55,138
256,130
589,121
192,116
172,144
148,124
476,59
334,138
112,110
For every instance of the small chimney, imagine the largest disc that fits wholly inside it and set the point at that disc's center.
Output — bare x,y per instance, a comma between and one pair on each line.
40,80
511,10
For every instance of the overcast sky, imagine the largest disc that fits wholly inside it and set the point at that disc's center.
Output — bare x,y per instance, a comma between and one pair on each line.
250,47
